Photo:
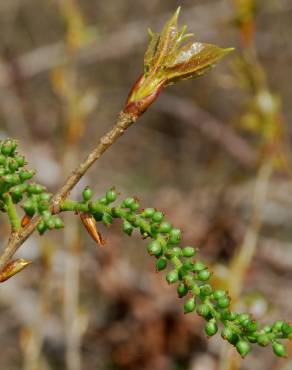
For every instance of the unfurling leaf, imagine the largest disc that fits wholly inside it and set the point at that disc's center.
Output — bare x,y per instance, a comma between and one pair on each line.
167,61
12,268
90,225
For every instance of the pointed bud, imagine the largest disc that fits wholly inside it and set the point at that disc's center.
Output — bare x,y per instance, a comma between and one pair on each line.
12,268
25,220
90,225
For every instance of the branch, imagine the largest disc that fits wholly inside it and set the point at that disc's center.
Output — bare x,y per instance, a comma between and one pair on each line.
124,121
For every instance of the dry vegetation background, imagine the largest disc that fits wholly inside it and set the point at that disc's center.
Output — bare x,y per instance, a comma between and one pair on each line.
214,154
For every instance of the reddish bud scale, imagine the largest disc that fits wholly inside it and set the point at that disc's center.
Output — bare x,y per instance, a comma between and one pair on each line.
25,220
12,268
90,225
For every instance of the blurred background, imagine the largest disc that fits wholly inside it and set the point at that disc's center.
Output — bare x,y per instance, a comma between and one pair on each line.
213,153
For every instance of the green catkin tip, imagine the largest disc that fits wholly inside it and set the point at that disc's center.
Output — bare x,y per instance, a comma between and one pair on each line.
243,317
29,207
189,305
148,212
111,195
188,251
87,194
182,290
127,228
161,264
204,275
157,216
279,349
26,175
243,347
165,227
211,328
154,248
172,276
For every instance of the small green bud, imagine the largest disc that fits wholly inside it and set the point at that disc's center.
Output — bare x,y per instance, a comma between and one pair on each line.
206,290
223,302
199,266
211,328
219,293
154,248
103,201
229,335
267,329
20,160
263,340
277,326
3,171
165,227
203,310
250,326
204,275
45,197
87,194
243,347
13,165
26,175
189,305
111,195
287,329
243,317
59,224
174,236
161,264
172,276
279,349
2,159
182,290
127,203
228,315
134,206
172,252
188,265
188,251
29,207
43,205
9,179
35,189
148,212
127,228
107,219
50,223
8,147
157,216
42,227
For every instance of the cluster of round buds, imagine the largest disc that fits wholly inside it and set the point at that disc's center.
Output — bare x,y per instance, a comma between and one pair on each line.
184,269
15,183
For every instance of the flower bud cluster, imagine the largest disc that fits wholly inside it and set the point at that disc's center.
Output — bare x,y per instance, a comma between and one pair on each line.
185,269
16,188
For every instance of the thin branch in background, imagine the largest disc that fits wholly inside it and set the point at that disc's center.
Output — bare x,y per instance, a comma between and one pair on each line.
187,111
